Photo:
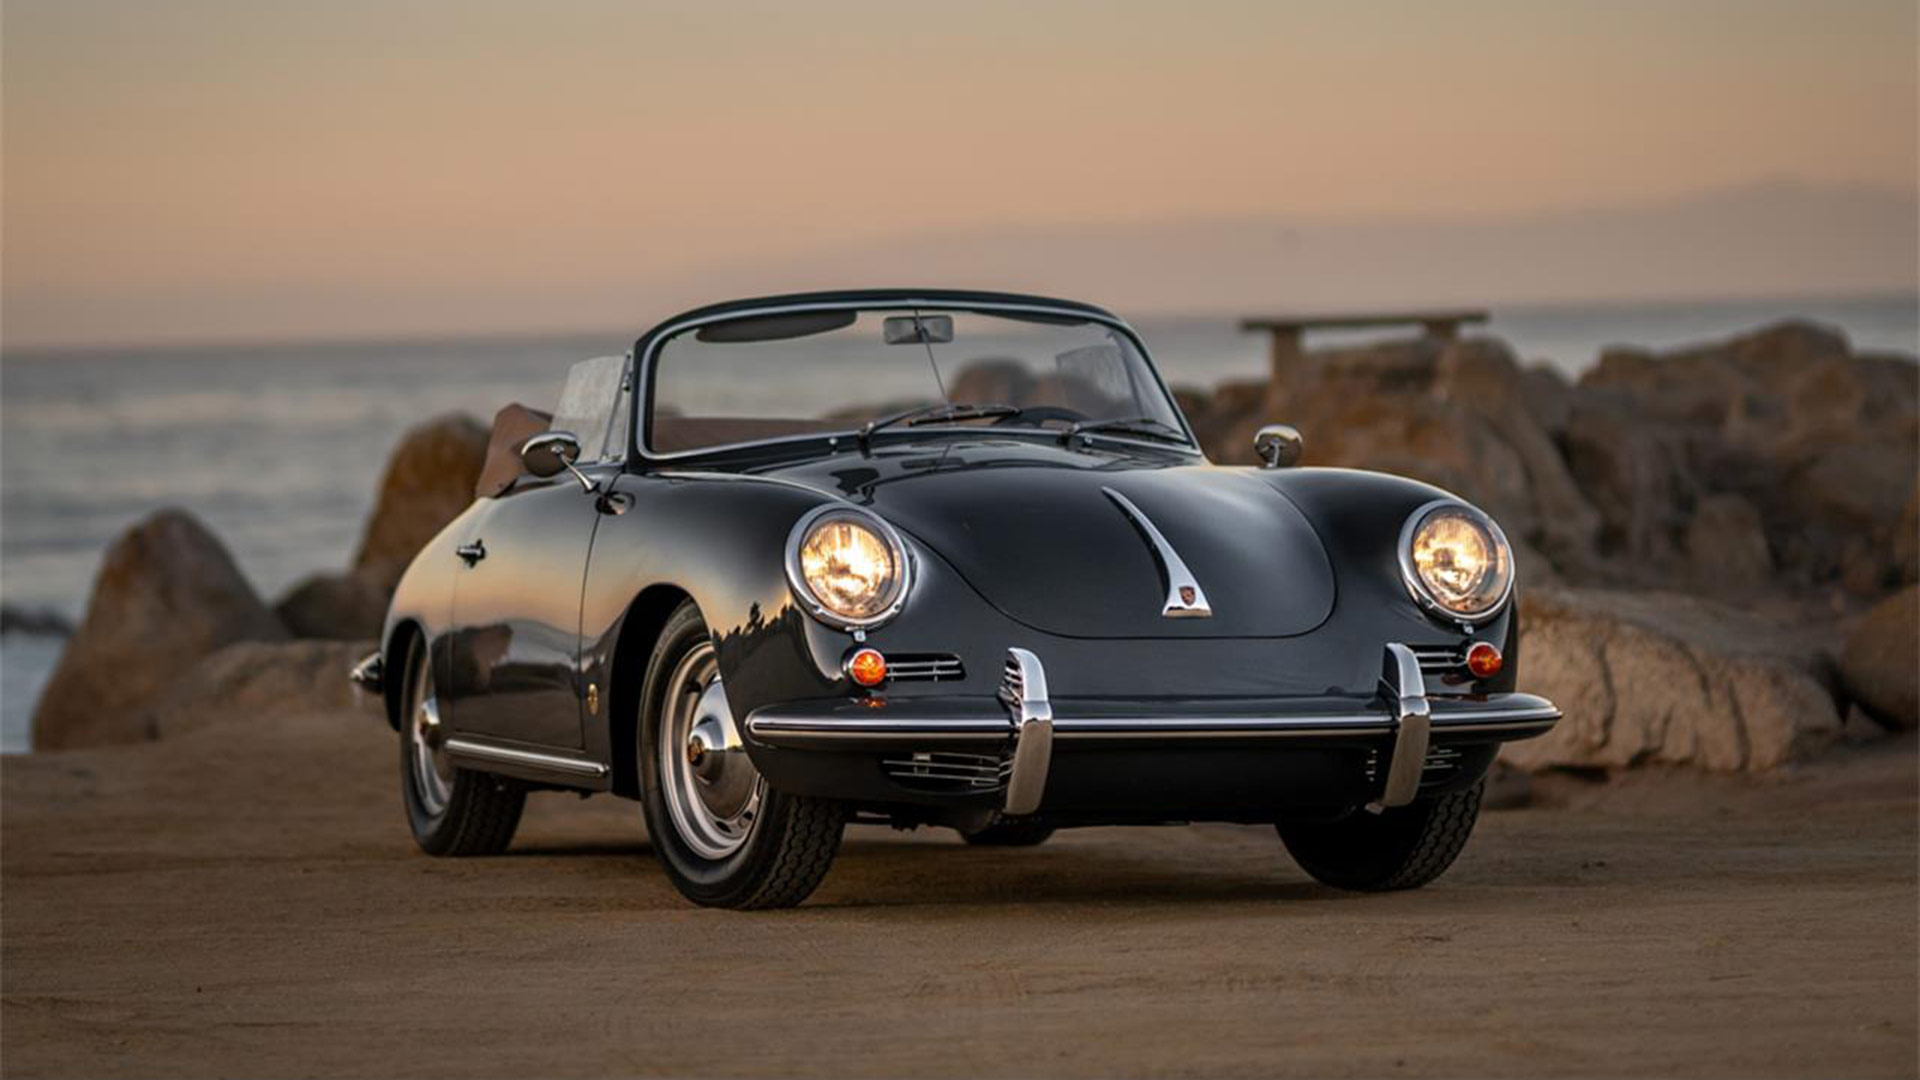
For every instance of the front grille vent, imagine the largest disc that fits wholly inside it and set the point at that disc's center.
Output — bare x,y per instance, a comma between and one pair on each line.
1448,662
1013,684
924,667
941,771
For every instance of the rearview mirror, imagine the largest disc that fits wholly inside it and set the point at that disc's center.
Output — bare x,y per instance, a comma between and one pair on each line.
549,453
1278,446
918,329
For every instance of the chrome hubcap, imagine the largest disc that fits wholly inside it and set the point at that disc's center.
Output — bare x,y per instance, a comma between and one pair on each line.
432,772
711,788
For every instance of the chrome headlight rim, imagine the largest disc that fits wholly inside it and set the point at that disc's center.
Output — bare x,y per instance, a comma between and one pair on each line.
803,592
1410,574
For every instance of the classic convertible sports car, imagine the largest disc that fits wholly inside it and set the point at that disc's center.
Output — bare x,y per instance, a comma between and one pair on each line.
940,558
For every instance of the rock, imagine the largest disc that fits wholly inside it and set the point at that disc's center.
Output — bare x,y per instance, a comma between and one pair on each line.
429,480
167,595
338,607
1548,398
1633,473
1880,669
257,681
1670,679
44,622
1728,546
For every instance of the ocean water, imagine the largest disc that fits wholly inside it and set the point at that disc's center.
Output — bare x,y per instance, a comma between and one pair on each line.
278,448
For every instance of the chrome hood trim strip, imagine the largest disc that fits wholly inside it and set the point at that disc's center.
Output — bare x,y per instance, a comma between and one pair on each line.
1185,600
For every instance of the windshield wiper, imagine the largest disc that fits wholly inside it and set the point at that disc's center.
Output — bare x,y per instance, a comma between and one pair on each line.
1145,426
933,414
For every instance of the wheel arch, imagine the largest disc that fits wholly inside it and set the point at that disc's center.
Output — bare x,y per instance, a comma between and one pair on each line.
399,641
640,626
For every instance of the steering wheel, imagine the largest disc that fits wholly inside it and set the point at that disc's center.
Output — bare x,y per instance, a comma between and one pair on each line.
1039,414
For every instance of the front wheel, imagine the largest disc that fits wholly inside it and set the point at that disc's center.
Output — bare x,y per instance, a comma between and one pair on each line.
1400,848
451,810
725,837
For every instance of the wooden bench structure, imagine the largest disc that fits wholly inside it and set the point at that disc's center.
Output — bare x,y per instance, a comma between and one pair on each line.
1287,331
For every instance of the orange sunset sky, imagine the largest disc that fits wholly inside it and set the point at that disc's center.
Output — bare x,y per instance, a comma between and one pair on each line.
201,169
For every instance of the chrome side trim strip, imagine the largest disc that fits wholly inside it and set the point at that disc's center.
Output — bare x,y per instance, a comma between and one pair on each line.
768,726
1024,692
1406,692
1185,600
480,751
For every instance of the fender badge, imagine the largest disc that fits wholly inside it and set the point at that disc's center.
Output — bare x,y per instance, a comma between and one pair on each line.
593,699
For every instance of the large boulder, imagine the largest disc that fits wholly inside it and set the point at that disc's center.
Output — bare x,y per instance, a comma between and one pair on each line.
167,595
1824,444
1663,678
1880,668
1459,415
335,607
255,681
429,480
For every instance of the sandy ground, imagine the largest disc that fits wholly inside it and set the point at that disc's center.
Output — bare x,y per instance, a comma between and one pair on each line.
246,902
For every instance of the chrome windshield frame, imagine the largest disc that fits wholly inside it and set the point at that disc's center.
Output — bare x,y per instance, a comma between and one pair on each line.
648,350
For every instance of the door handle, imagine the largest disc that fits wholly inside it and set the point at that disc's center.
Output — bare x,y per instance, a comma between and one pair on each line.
473,552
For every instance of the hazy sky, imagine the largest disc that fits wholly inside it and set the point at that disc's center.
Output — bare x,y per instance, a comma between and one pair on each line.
200,168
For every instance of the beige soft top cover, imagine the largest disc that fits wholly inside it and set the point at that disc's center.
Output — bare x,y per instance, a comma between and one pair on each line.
512,427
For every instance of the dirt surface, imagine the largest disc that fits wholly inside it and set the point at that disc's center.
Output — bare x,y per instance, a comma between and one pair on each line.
245,901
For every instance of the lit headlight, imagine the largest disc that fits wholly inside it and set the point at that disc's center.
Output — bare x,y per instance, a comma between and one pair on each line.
847,566
1456,561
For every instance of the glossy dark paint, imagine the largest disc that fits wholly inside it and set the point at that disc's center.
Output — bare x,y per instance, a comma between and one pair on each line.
1012,543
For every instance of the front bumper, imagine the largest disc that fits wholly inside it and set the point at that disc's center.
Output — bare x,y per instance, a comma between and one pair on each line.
1400,727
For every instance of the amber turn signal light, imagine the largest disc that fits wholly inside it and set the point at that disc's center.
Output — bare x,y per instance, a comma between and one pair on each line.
1484,660
867,667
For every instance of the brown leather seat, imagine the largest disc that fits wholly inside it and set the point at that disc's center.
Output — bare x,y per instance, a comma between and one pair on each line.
512,427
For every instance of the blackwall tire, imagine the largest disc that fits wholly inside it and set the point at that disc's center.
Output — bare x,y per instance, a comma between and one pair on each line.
451,811
726,839
1401,848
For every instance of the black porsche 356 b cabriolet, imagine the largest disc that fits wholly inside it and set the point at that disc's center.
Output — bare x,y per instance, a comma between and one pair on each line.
940,558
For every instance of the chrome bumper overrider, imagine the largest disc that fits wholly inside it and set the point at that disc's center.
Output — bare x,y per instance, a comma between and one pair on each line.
1402,710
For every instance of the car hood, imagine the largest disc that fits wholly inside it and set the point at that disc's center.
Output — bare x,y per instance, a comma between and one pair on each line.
1034,530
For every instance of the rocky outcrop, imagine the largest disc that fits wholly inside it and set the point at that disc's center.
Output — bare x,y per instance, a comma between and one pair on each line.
1822,443
168,594
429,480
256,681
1776,462
1880,668
1459,415
337,607
1670,679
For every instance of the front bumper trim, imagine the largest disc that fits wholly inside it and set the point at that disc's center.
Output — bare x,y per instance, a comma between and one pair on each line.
1401,711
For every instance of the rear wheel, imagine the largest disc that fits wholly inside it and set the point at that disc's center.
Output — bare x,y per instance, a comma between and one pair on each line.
1010,834
451,810
725,837
1400,848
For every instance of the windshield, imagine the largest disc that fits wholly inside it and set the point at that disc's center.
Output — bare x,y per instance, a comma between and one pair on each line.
817,372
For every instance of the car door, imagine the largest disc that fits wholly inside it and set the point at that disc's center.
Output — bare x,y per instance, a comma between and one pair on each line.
516,615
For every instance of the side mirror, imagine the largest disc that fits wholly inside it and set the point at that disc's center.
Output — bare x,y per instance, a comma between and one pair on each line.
549,453
1278,446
